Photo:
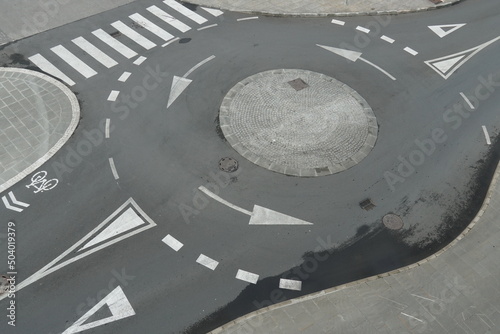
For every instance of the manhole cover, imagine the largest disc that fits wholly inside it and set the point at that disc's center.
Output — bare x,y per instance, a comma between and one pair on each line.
298,84
228,165
392,221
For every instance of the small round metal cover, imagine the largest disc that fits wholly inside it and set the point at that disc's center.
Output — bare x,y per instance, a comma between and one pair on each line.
229,165
392,221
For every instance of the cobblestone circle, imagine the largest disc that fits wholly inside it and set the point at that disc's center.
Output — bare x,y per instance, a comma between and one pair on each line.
321,129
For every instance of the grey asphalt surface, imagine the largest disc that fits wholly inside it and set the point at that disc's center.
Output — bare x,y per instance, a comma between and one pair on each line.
163,156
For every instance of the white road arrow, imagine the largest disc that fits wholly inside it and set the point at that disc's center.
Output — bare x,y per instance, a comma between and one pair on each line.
445,29
353,56
179,84
14,202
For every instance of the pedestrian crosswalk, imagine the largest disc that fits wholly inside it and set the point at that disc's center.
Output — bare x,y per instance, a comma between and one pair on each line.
104,48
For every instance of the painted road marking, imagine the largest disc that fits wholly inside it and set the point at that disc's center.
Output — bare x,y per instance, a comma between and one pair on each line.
362,29
113,95
338,22
247,276
117,303
486,135
93,51
223,201
48,67
133,35
73,61
214,12
471,106
195,67
353,56
145,23
166,17
140,60
207,262
107,128
56,264
179,84
14,201
173,242
411,51
185,11
207,27
248,18
115,44
290,284
113,168
124,77
170,42
409,316
446,29
431,300
387,39
447,65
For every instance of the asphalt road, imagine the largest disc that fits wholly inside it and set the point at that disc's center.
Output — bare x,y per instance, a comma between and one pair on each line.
163,155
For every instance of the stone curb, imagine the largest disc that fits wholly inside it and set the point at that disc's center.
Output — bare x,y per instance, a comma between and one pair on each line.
75,110
476,219
341,14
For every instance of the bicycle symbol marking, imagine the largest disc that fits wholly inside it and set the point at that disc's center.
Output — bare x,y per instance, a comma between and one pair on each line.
40,183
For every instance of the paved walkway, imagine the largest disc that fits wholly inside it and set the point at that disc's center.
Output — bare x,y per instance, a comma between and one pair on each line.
37,116
323,7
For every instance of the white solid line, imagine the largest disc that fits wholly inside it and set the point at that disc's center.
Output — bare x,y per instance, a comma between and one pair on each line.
173,242
107,128
93,51
290,284
378,67
248,18
223,201
201,63
170,42
113,95
467,101
140,60
431,300
133,35
247,276
411,51
74,61
338,22
47,66
486,135
113,168
207,262
115,44
214,12
124,77
362,29
16,202
168,19
185,11
411,317
387,39
8,206
206,27
143,22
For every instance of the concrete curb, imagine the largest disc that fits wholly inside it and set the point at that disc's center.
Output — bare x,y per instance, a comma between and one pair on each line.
75,110
341,14
476,219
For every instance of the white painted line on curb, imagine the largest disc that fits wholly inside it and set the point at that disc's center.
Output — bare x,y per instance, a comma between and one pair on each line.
206,27
214,12
173,242
93,51
166,17
124,77
195,67
133,35
113,95
139,60
148,25
411,51
74,61
387,39
467,101
185,11
338,22
486,135
107,128
247,276
113,168
247,18
290,284
223,201
409,316
207,262
170,42
48,67
362,29
115,44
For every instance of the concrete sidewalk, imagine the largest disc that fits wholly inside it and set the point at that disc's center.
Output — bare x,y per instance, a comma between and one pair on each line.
323,7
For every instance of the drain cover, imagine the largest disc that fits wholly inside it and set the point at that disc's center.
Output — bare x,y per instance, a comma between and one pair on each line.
298,84
366,204
228,165
392,221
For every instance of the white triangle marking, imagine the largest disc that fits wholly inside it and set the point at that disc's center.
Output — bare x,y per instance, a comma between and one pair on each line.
351,55
445,65
118,305
263,216
440,29
179,84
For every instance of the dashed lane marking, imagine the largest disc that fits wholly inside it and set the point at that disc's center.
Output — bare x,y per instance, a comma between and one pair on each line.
387,39
73,61
248,18
290,284
113,95
170,42
207,27
471,106
139,60
133,35
113,168
93,51
362,29
207,262
410,51
173,242
124,77
247,276
107,128
486,135
115,44
338,22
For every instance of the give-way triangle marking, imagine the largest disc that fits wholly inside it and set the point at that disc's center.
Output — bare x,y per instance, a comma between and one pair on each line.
117,303
447,65
179,84
446,29
128,220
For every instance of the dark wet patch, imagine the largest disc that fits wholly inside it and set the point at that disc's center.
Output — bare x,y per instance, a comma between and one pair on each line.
19,59
136,25
184,40
218,129
362,230
190,6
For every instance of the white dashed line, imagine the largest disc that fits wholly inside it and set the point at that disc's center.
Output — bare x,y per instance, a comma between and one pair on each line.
338,22
387,39
113,168
290,284
247,276
106,131
173,242
486,135
248,18
206,27
362,29
124,77
207,262
467,101
201,63
140,60
411,51
113,95
170,42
